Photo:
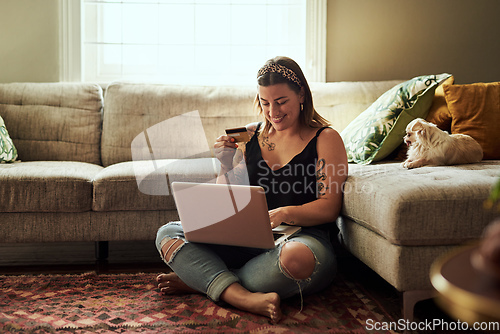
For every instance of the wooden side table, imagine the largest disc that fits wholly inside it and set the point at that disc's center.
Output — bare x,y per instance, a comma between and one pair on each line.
464,292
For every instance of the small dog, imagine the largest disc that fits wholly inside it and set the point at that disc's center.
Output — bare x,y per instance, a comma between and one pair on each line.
429,145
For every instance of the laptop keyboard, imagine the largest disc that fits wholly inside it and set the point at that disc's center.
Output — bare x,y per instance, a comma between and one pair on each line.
277,235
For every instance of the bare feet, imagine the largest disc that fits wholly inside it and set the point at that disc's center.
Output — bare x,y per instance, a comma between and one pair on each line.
171,284
266,304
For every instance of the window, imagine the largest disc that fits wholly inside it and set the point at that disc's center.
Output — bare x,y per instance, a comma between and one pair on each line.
188,42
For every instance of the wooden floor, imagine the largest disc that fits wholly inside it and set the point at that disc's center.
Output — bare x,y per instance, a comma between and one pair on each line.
142,256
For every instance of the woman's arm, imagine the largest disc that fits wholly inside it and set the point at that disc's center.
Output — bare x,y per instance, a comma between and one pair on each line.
331,173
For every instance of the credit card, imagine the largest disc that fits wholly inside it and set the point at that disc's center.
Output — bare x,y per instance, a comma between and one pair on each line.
239,134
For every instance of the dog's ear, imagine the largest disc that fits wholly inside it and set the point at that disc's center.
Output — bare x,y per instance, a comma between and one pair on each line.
424,131
416,125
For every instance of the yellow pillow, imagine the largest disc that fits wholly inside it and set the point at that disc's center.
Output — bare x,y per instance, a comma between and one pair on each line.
475,111
439,113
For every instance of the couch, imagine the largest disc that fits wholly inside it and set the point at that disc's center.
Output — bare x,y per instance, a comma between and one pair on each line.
92,162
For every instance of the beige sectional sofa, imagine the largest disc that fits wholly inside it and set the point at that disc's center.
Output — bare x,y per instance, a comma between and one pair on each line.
76,178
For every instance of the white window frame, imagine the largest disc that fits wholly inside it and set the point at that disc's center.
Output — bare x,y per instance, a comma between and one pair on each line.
70,40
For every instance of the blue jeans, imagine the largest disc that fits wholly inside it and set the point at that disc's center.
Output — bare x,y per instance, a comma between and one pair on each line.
210,269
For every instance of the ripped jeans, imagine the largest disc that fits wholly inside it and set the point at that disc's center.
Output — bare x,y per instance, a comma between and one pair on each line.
210,269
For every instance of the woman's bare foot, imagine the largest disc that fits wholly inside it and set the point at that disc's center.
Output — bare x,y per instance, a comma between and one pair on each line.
266,304
171,284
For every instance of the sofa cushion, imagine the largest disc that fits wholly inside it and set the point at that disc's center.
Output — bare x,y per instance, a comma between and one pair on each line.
380,129
8,152
423,206
53,121
133,110
46,186
475,111
145,185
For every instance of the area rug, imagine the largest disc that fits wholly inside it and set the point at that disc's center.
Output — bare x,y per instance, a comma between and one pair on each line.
123,303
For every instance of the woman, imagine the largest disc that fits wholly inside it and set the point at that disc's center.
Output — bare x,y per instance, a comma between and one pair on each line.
292,139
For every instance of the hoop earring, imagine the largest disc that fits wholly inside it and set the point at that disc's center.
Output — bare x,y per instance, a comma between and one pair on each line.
301,107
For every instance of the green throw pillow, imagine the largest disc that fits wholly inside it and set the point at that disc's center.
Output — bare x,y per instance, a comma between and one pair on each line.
8,152
380,129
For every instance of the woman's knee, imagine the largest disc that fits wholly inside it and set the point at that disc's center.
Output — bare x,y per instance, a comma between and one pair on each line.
172,229
170,247
297,260
169,240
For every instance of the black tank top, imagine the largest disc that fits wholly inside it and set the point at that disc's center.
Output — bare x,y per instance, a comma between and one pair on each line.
293,183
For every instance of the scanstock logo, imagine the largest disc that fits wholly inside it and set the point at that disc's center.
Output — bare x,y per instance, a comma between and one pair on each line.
176,149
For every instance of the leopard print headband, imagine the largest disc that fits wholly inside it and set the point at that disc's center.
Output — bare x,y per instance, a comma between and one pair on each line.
284,71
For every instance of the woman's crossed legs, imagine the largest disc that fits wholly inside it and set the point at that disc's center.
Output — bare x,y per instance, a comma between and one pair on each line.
263,277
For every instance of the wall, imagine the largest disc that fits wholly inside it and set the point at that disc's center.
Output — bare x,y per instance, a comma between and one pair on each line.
367,39
399,39
29,41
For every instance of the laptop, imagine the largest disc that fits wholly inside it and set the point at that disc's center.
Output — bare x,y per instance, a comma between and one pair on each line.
223,214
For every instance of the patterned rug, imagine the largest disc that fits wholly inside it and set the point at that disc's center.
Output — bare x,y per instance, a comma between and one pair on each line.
131,303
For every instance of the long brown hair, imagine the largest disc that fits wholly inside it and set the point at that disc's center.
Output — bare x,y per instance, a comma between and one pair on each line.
308,115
